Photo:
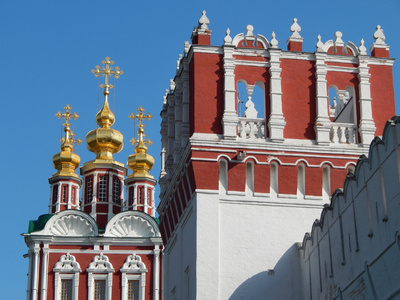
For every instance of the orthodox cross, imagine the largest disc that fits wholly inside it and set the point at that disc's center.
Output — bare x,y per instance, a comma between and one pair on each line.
69,135
107,72
140,116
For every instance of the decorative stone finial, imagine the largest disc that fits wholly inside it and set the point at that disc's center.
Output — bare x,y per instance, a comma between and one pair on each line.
178,62
171,85
274,41
295,28
186,47
363,50
227,38
379,36
320,44
338,39
204,21
249,31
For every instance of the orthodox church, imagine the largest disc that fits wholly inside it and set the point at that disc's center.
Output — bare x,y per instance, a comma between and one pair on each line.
255,139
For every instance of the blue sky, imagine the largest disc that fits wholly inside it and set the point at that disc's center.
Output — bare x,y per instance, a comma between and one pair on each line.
49,48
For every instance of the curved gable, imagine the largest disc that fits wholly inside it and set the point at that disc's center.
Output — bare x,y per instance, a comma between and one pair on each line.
70,223
132,224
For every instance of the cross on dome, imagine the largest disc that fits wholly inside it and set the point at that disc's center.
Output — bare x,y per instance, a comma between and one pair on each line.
67,115
107,72
140,116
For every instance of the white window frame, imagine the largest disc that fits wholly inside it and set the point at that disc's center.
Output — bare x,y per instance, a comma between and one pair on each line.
133,269
100,269
66,268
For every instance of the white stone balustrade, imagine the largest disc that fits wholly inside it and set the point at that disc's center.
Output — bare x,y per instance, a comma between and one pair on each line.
251,128
343,133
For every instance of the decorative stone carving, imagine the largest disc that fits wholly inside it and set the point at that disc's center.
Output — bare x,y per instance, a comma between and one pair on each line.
133,264
338,41
227,38
379,36
132,226
204,21
100,264
363,50
67,264
320,44
274,41
295,28
71,225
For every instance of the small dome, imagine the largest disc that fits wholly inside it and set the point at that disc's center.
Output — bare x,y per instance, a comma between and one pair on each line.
66,161
104,141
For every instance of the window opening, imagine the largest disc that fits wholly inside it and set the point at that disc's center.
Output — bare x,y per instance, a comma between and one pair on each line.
131,195
73,196
133,289
102,188
149,197
99,290
89,189
116,190
66,289
141,195
64,194
55,193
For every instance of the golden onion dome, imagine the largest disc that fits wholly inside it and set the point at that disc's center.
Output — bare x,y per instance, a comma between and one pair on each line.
104,141
66,162
141,162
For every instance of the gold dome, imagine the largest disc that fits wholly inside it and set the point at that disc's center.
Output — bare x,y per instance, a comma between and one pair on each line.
104,141
140,163
66,162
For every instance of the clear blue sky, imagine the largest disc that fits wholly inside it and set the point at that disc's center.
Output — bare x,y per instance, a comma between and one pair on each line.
49,48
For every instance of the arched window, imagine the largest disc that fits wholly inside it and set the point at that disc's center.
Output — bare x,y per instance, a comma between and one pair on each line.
274,192
223,176
66,279
301,181
326,183
100,272
250,108
249,178
342,112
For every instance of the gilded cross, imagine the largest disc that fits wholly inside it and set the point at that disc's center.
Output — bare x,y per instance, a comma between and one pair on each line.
69,135
140,116
107,72
67,115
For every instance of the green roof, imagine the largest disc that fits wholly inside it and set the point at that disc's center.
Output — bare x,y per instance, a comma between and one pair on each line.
36,225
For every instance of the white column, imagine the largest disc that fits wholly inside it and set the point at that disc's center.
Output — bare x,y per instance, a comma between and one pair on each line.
28,287
322,121
230,117
35,271
366,125
276,122
45,264
156,272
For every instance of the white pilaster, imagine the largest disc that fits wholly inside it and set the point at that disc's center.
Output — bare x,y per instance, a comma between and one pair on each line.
366,126
321,125
35,270
230,117
276,123
156,273
45,264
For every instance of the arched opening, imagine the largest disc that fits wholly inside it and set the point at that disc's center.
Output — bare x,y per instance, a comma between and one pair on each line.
249,178
273,189
326,183
342,112
301,181
250,109
223,176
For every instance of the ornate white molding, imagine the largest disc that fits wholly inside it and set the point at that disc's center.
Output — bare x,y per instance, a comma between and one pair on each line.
66,268
100,269
133,269
69,223
132,224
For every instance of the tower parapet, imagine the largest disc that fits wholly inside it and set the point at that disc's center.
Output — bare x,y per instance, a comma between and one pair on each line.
251,131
